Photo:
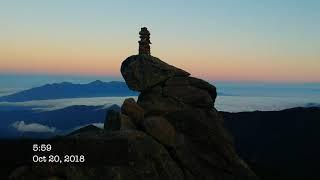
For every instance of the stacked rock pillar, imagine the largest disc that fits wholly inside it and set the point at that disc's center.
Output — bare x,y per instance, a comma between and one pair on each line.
144,43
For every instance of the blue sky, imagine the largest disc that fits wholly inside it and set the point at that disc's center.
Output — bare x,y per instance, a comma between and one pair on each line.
242,40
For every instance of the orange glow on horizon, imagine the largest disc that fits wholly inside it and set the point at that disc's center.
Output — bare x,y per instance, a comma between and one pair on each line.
213,63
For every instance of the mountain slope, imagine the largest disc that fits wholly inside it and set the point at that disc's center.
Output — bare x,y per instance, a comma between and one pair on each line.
70,90
279,144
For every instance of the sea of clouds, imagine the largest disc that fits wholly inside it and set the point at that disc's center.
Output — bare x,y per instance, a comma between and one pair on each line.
223,103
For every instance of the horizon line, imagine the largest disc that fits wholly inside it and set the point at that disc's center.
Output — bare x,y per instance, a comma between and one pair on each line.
120,78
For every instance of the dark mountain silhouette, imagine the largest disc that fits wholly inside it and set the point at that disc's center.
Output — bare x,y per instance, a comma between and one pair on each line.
88,128
278,144
70,90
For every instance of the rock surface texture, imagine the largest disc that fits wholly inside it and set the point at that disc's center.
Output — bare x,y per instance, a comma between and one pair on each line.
173,131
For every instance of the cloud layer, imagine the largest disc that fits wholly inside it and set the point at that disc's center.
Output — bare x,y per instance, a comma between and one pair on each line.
49,105
32,127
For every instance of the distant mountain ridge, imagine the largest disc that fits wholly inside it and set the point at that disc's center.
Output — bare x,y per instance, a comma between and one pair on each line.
69,90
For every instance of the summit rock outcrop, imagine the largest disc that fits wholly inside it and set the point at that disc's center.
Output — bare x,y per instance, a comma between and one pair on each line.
179,114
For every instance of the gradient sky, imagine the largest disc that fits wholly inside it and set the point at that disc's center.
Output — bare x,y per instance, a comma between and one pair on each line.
240,40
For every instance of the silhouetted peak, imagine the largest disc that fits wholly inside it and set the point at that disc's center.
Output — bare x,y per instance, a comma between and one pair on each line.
96,82
61,84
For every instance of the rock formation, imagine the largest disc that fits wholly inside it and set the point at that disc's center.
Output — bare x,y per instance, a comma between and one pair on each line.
173,130
179,114
144,43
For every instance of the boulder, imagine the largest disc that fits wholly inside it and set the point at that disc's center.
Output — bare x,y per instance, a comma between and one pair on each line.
201,84
150,159
193,82
160,100
189,95
112,121
154,103
142,72
117,121
159,128
133,110
126,123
